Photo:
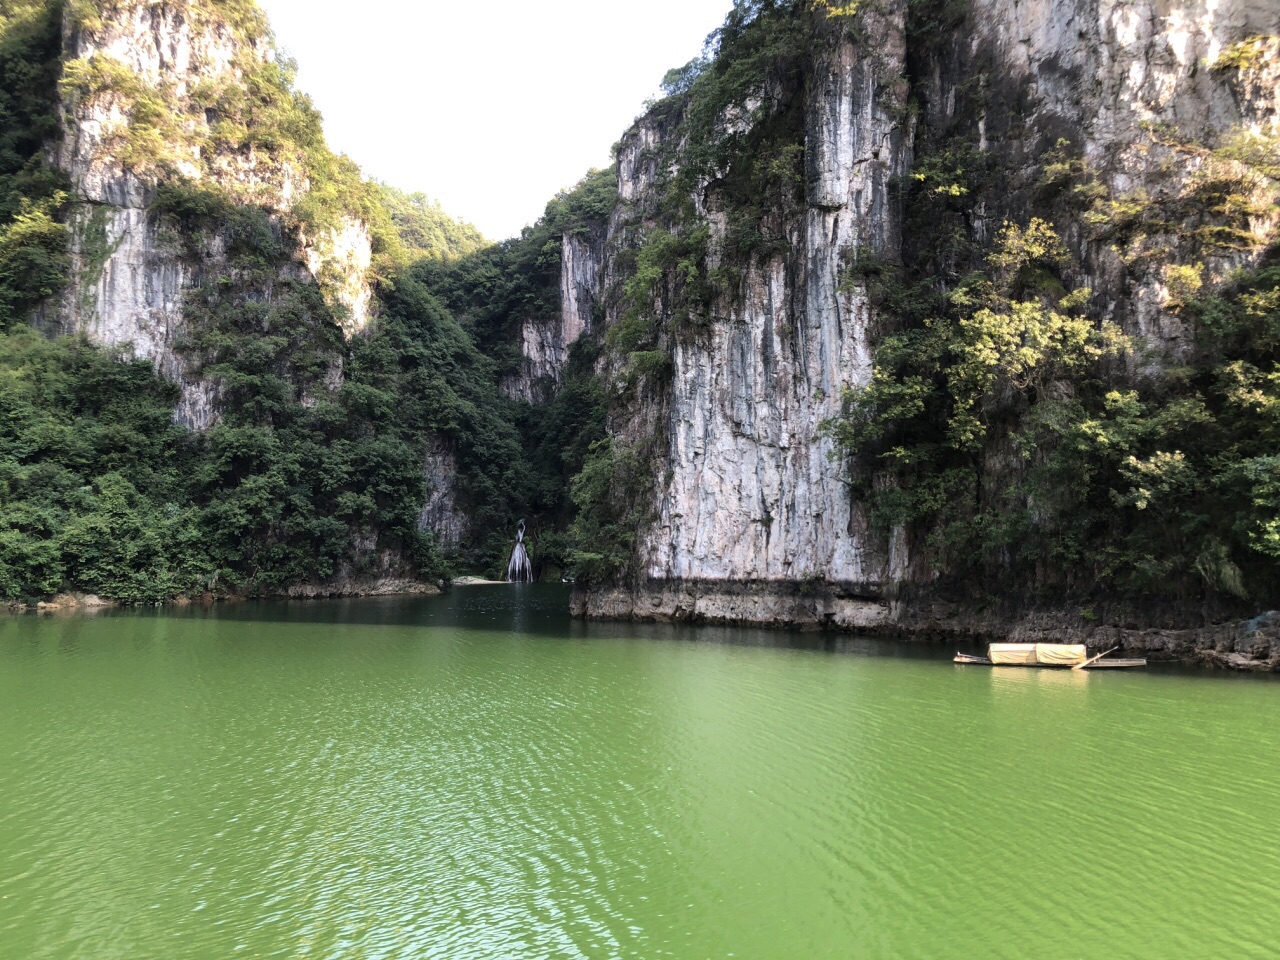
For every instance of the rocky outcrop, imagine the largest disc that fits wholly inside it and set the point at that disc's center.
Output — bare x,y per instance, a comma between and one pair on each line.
543,352
811,605
754,492
340,259
545,342
129,277
186,106
361,587
70,603
579,286
751,521
1137,87
441,514
751,493
1248,645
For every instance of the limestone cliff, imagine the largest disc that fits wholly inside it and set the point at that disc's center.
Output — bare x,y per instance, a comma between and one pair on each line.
146,94
207,217
545,341
751,518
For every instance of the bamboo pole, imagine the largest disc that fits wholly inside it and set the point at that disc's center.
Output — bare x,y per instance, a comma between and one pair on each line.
1081,666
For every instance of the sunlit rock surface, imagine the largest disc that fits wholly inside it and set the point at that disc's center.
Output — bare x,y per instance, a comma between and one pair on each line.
751,520
545,341
129,278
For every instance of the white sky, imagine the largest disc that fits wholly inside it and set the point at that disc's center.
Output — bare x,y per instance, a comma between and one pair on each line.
489,107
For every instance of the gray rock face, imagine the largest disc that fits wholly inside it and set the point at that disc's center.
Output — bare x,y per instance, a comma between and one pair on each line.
131,275
806,606
128,278
440,514
1250,645
545,342
579,285
1125,81
751,490
748,491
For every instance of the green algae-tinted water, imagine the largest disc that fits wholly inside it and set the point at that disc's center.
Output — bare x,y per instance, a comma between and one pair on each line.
478,776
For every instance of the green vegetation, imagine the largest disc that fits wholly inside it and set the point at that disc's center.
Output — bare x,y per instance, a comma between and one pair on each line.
245,17
731,132
736,117
102,492
1024,445
1248,54
93,476
248,118
492,293
1216,211
606,492
731,127
33,244
493,290
1000,426
741,117
1021,442
315,464
305,469
668,279
425,230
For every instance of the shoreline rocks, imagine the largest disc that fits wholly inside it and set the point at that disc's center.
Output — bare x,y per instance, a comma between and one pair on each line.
373,587
69,601
1251,645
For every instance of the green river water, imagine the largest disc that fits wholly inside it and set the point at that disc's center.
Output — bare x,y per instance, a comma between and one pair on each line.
477,776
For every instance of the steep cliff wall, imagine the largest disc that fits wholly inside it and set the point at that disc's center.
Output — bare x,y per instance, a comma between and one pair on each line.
441,516
754,493
752,517
749,493
168,195
545,340
1136,89
146,95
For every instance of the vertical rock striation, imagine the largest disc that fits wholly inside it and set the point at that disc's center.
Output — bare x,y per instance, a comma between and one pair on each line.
750,520
749,491
440,514
545,341
129,274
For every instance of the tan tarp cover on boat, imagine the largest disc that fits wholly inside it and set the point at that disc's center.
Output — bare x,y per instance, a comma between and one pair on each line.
1063,654
1034,654
1012,653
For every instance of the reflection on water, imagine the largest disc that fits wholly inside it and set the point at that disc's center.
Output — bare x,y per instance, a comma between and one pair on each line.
478,775
533,610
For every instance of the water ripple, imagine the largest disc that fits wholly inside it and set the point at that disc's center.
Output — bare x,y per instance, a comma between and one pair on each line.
208,787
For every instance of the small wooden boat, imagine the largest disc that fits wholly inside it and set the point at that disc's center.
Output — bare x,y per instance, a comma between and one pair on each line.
1053,655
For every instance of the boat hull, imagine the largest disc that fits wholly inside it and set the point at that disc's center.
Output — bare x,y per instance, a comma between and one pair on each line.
976,661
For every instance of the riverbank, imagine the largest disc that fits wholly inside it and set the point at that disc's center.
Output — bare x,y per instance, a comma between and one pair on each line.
333,590
1237,644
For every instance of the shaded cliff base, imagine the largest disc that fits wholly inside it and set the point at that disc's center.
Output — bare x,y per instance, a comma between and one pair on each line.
346,587
1252,644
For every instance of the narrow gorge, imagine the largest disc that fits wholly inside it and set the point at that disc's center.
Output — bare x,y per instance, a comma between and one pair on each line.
933,316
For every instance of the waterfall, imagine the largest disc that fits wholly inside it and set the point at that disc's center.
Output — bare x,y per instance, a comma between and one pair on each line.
519,569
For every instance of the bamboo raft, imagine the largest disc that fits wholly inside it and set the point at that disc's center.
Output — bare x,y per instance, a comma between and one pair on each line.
1049,655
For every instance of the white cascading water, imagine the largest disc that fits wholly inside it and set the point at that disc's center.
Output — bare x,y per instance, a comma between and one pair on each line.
519,569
